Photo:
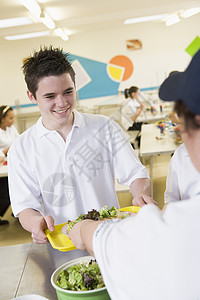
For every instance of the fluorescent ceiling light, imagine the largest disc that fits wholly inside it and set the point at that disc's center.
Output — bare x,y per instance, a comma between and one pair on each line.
47,21
64,36
145,19
173,19
58,31
27,35
61,33
12,22
32,6
190,12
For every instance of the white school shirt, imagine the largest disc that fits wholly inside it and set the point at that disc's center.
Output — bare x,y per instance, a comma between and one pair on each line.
7,137
72,177
183,180
129,109
153,255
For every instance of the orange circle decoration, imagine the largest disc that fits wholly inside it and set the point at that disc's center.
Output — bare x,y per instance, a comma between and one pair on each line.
120,68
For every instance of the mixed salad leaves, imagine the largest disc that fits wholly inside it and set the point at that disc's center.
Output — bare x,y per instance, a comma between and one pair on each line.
84,276
103,213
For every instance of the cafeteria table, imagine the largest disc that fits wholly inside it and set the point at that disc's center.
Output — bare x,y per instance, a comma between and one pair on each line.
153,143
148,117
27,269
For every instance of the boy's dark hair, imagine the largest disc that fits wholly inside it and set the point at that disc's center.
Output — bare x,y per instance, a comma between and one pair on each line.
46,62
188,116
128,92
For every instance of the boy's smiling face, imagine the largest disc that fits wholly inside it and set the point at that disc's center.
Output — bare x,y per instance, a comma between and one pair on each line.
56,98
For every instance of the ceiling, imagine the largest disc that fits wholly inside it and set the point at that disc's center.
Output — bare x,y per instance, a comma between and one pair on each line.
79,16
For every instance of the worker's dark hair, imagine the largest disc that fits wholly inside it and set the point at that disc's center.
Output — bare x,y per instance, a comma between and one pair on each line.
190,120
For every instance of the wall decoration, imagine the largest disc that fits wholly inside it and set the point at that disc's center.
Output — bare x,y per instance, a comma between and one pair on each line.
194,46
120,68
92,78
133,44
82,77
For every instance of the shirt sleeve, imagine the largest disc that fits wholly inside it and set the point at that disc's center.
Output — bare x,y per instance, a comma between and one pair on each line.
150,250
127,166
119,250
23,187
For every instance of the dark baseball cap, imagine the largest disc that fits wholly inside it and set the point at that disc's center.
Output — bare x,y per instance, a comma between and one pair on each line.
184,86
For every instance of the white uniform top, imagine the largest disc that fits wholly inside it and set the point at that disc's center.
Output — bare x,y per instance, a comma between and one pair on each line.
72,177
183,180
7,137
129,109
153,255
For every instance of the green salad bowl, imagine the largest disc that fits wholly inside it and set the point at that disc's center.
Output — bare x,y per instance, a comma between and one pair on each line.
62,294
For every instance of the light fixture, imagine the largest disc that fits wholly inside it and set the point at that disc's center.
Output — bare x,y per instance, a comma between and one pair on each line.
145,19
61,33
26,35
12,22
32,6
190,12
46,20
172,19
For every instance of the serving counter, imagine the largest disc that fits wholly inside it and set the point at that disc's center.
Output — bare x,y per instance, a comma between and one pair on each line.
27,269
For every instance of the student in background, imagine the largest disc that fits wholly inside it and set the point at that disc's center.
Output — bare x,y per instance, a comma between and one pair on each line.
131,109
183,179
8,133
155,254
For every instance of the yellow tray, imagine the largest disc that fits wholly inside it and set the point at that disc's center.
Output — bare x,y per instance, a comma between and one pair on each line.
134,209
58,240
61,242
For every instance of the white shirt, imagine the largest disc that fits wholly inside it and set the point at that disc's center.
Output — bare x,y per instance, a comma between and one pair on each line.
153,255
72,177
129,109
7,137
183,180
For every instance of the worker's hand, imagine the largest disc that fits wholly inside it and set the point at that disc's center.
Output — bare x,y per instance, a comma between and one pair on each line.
142,199
38,230
75,235
82,234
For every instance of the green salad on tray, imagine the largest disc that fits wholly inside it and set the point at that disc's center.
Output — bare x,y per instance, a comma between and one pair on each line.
103,213
84,276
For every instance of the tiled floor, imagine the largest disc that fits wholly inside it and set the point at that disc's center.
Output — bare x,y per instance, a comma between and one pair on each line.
15,234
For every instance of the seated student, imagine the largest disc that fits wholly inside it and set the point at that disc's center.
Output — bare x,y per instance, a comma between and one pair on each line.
66,164
155,254
8,133
131,109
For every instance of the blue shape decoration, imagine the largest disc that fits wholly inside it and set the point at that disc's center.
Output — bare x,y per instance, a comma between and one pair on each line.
101,85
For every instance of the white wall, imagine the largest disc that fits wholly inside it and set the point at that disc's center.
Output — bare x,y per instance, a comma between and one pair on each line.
162,52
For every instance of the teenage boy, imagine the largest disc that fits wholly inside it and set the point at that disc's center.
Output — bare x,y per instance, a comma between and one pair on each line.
66,163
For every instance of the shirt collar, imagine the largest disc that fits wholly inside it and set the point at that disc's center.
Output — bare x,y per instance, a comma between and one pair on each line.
78,122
